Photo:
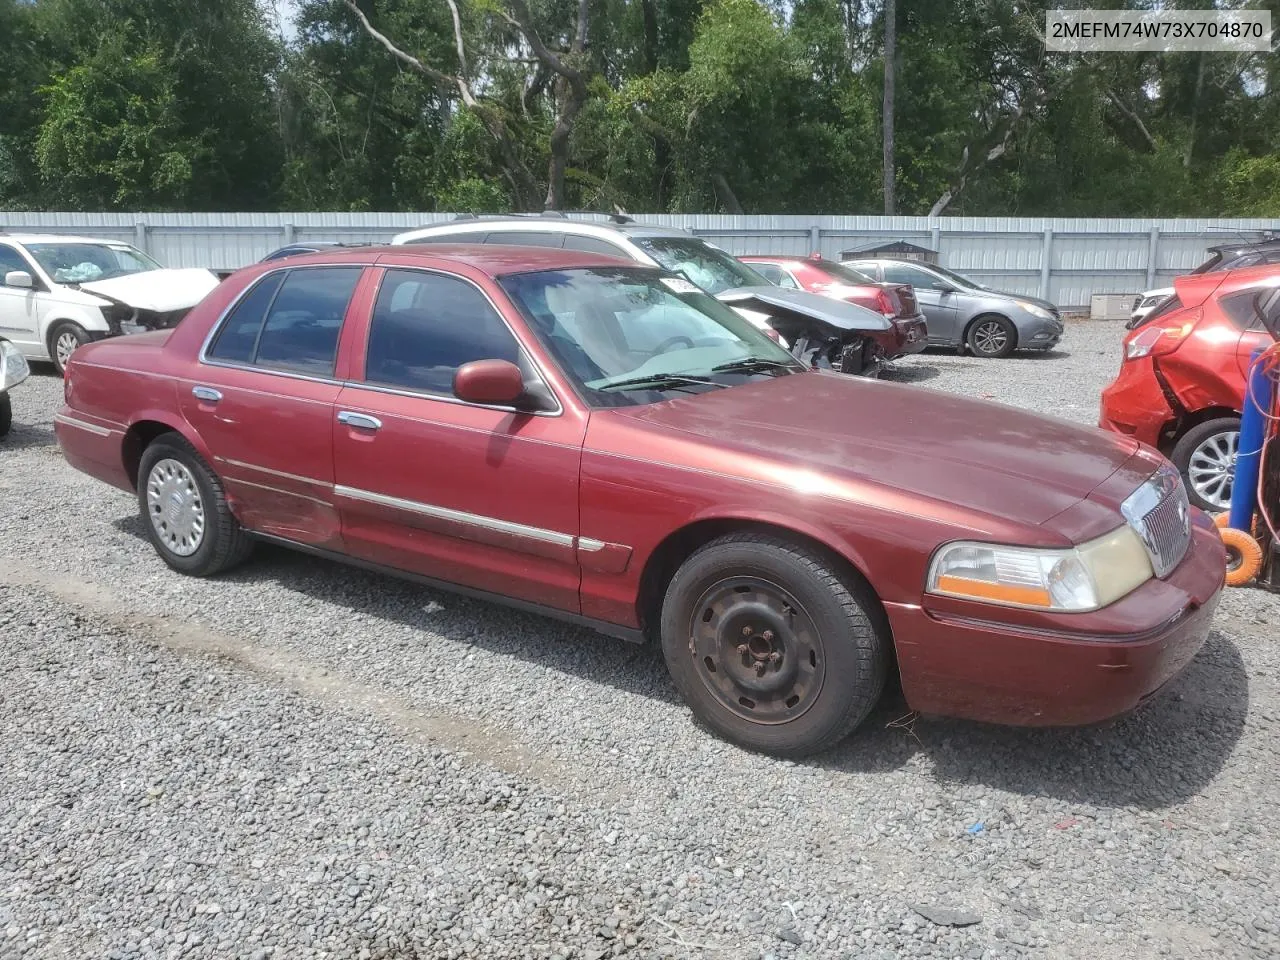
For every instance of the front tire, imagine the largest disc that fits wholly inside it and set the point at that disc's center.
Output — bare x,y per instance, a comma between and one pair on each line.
992,337
1206,457
771,647
185,510
65,338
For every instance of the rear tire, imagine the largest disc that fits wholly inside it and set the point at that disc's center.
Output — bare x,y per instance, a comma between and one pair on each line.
6,414
1205,456
65,337
772,648
185,510
992,337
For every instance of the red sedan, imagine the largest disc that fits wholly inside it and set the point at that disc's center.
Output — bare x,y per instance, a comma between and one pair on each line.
1181,382
604,442
894,301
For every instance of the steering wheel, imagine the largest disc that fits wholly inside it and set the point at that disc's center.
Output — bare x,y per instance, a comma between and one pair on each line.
670,342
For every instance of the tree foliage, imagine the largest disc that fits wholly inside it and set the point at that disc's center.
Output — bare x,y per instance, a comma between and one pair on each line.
642,105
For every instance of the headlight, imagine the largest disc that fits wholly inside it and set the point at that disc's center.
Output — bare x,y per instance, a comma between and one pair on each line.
13,366
1035,311
1075,580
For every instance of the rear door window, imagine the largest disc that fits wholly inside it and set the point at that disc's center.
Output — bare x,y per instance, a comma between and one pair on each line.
526,238
290,321
901,273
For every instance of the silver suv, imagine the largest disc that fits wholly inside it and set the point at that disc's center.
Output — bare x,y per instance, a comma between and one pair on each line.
799,317
963,313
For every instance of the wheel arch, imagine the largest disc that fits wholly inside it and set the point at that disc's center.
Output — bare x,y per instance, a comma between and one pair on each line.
665,559
145,429
1193,420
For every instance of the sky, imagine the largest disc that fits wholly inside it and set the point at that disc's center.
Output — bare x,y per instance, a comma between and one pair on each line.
287,9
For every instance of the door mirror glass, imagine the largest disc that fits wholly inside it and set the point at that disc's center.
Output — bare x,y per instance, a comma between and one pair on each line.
18,278
490,382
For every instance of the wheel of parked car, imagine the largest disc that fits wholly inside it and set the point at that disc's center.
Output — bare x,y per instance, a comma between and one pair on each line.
1206,456
6,414
992,336
771,646
65,337
185,511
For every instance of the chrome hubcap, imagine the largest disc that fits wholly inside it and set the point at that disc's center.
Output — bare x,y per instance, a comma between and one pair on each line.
990,337
65,346
1213,468
175,508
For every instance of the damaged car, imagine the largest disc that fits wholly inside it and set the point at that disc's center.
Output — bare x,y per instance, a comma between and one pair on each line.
13,370
58,293
822,333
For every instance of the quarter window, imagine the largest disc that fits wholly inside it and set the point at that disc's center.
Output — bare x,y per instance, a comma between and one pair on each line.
1239,308
303,312
425,326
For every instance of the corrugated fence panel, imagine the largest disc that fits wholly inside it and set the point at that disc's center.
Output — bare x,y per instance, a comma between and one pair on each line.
1085,255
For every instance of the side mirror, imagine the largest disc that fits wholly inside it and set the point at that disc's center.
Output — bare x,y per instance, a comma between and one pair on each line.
19,278
496,382
943,286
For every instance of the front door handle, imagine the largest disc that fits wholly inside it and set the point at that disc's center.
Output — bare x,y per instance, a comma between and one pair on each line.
207,394
361,420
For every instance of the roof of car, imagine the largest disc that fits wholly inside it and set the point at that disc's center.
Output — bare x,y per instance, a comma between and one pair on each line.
56,238
494,259
548,223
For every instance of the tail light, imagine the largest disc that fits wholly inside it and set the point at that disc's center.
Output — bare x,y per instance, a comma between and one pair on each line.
884,303
1159,339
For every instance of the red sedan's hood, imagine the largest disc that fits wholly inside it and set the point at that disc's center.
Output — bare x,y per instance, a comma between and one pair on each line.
982,456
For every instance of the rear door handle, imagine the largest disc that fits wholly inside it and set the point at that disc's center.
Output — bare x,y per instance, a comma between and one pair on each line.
361,420
207,394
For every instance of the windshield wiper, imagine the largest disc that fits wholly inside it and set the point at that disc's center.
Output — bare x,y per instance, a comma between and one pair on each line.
661,381
752,364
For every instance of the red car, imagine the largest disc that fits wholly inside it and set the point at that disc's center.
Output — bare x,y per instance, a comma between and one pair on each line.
1181,383
606,443
893,301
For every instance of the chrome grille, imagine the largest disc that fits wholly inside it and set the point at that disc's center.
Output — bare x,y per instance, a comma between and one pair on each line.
1160,514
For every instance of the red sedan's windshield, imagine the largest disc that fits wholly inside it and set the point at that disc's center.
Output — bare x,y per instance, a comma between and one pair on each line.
627,336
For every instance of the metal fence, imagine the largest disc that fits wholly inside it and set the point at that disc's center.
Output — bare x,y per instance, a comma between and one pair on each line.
1065,260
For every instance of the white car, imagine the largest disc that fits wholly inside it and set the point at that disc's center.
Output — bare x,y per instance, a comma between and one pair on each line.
58,292
13,370
1143,306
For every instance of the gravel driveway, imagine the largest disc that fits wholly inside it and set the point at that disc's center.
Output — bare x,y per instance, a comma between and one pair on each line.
303,760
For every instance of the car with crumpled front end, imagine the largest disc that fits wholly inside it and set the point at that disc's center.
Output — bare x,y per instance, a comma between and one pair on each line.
896,302
58,293
602,442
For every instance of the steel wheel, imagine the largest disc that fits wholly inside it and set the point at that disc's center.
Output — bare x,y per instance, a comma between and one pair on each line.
1212,468
175,507
757,650
64,346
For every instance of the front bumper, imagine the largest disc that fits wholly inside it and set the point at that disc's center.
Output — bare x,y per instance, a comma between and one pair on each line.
1037,334
1059,669
1134,405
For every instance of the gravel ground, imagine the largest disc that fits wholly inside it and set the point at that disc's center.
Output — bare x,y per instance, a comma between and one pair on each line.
302,760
